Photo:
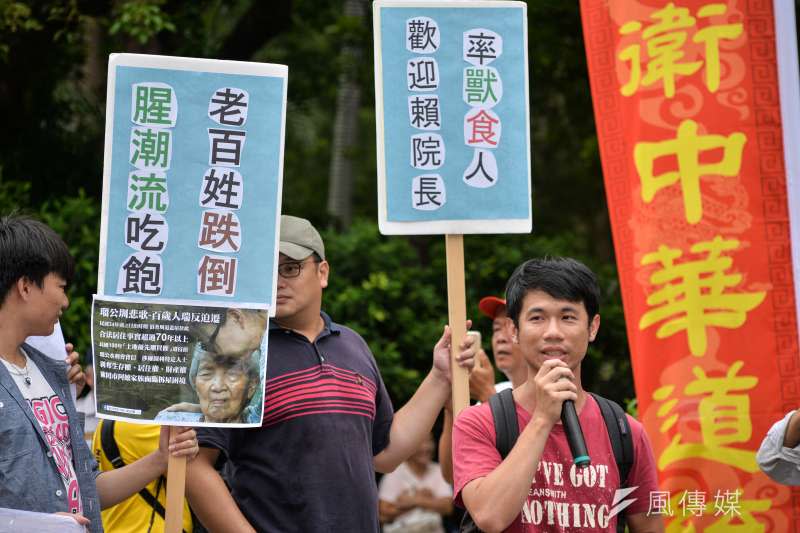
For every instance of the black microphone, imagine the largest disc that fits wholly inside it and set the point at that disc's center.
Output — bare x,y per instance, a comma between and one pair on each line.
572,427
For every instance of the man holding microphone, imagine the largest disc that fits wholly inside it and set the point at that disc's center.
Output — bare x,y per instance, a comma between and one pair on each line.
554,307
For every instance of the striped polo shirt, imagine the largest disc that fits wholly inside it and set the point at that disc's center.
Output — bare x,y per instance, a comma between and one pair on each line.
326,413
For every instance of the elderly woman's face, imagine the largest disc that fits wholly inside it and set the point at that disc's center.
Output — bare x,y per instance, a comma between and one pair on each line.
223,386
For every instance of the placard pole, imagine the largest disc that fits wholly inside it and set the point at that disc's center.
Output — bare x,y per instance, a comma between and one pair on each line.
457,317
176,490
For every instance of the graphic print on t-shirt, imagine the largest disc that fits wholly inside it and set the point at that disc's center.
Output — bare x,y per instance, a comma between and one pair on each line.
564,495
52,417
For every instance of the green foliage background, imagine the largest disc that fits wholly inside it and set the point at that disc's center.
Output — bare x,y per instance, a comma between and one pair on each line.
53,56
393,294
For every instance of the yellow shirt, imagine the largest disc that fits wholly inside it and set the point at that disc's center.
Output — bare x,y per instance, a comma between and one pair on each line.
133,515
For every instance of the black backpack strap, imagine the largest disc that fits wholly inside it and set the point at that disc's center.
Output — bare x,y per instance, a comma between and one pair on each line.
109,444
619,433
111,451
506,428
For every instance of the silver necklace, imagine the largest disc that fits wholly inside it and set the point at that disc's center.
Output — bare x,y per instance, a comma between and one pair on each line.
25,371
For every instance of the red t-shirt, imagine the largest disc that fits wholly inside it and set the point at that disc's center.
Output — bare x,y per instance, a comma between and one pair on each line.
562,497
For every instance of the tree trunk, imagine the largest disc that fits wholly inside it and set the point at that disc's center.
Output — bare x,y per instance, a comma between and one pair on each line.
94,71
345,128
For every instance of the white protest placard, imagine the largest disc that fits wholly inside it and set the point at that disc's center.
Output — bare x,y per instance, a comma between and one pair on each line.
789,86
15,521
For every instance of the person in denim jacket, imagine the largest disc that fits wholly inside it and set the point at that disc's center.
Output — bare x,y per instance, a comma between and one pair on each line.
45,464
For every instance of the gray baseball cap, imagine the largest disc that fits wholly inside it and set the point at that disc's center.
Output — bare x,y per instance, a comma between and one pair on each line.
299,239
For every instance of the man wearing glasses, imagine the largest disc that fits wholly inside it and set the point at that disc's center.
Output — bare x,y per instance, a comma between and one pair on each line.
328,421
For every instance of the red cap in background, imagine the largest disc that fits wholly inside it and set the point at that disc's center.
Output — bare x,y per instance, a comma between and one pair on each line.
491,305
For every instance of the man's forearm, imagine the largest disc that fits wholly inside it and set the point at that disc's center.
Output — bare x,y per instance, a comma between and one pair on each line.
114,486
446,447
792,436
413,422
495,500
210,499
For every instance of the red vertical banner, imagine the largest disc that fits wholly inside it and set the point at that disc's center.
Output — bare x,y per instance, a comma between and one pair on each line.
688,119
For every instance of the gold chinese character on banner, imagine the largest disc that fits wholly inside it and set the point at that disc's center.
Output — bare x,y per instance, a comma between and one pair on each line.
693,296
687,149
723,412
665,39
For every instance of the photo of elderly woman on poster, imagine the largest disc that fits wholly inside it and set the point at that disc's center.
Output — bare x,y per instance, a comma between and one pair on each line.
225,371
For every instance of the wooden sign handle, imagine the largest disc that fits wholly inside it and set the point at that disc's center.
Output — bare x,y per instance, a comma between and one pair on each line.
176,491
457,316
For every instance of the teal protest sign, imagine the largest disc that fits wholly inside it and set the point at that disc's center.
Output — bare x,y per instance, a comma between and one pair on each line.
452,117
192,180
189,239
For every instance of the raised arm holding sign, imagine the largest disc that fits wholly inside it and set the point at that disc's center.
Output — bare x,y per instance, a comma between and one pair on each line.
328,421
191,200
452,129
